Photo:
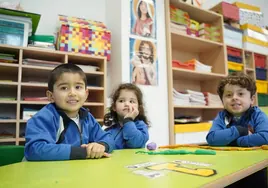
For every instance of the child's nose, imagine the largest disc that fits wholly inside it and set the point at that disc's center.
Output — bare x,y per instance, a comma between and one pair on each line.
235,96
72,92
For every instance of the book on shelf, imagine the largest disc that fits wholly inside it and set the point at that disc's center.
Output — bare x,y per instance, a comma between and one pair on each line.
182,119
7,98
37,62
88,68
35,99
7,58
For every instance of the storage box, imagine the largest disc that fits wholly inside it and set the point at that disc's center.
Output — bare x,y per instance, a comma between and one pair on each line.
233,36
255,32
84,36
234,59
260,60
262,99
262,86
261,74
228,11
235,66
251,17
255,45
191,133
247,6
234,52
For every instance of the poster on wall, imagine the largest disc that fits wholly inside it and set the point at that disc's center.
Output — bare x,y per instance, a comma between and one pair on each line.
142,16
143,62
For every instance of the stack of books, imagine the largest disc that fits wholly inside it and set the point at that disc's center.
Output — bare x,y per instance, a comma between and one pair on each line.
181,99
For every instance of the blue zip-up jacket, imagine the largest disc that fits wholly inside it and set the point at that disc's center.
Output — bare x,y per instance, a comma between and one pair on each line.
226,131
131,135
41,135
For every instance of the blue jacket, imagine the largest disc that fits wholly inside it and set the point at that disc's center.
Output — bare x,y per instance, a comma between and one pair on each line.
226,131
131,135
41,135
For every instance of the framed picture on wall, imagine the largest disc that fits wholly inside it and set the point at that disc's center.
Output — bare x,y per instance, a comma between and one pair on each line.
143,62
142,16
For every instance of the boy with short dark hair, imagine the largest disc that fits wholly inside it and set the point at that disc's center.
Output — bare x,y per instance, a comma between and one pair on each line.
241,123
63,129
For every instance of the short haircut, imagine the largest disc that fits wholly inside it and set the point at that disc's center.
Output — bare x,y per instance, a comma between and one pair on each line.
64,68
240,79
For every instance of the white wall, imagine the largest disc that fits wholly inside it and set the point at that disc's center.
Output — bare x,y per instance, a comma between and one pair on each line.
155,97
263,4
49,10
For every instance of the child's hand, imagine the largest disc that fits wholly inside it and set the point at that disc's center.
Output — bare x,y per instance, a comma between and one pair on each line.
95,150
133,112
250,130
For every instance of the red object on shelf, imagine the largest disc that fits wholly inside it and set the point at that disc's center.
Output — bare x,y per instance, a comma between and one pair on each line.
178,64
192,32
230,11
234,52
260,61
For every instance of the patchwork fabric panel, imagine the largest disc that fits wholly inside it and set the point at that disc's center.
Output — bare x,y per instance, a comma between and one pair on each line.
84,36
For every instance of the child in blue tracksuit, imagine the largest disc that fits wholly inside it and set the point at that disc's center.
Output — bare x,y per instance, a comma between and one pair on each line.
240,124
63,129
126,120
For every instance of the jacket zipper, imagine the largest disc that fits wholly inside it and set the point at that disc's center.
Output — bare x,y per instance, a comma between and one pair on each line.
80,132
118,132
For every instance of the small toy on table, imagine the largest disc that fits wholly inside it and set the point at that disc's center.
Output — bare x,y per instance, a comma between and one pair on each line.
151,146
179,152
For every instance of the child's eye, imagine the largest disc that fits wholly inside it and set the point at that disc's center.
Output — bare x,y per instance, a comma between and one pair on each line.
132,102
78,87
241,94
121,100
228,95
63,88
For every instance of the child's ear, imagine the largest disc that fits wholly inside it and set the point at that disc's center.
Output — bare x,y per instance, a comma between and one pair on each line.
253,98
86,95
50,96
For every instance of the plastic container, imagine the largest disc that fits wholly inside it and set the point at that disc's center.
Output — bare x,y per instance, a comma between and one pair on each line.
260,61
230,71
234,52
261,74
262,86
262,99
233,36
235,66
230,11
234,59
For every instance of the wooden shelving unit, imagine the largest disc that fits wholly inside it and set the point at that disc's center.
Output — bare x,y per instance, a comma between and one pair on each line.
184,47
248,57
249,65
19,80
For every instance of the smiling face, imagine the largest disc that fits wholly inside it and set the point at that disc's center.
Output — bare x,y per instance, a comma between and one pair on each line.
126,100
69,93
143,7
236,100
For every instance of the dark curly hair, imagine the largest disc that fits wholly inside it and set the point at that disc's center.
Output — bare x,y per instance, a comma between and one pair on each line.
240,79
111,116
